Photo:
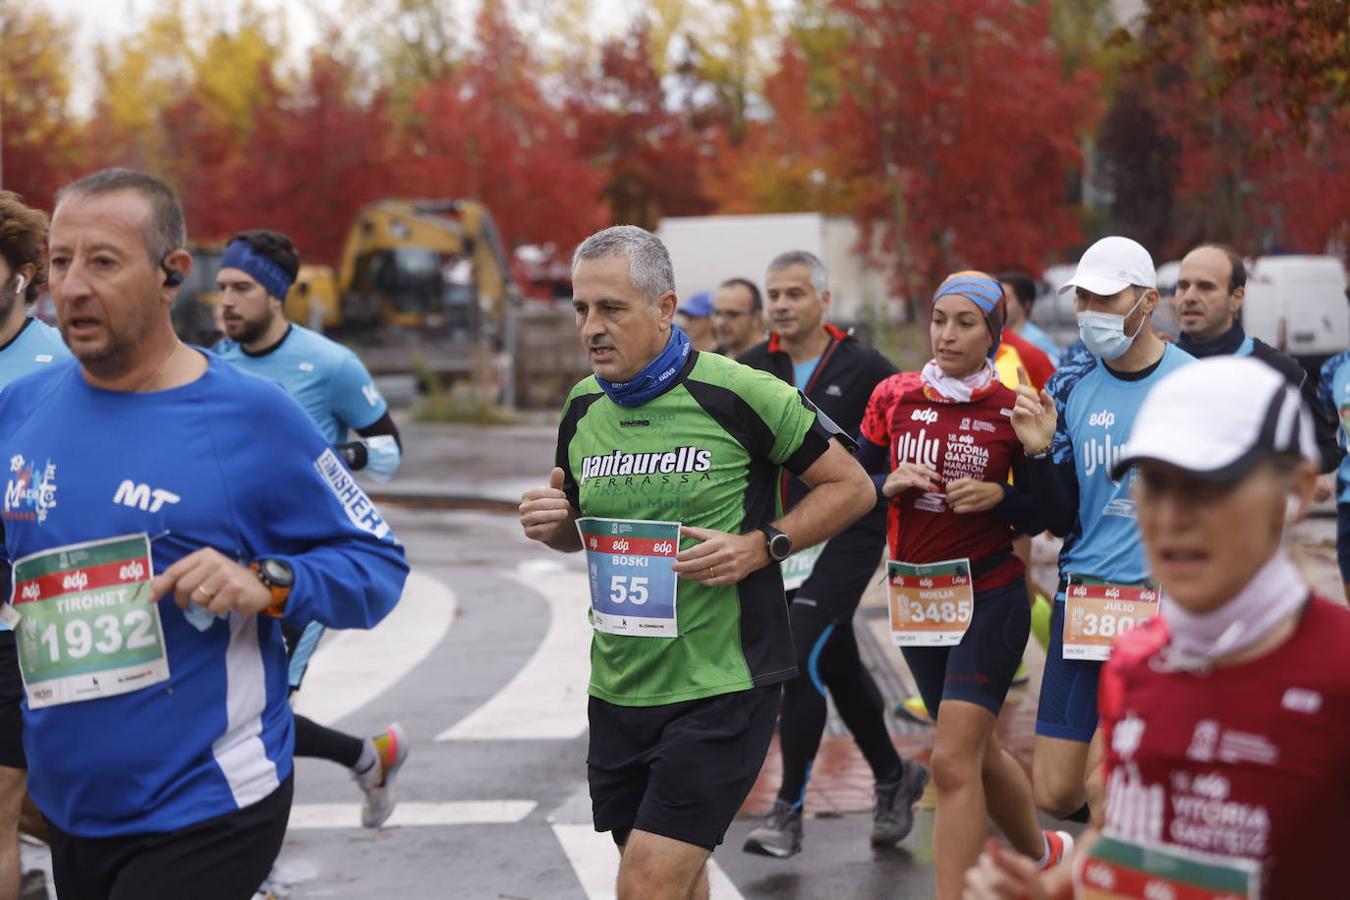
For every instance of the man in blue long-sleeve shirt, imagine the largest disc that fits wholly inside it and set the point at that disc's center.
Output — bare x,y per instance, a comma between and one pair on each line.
165,514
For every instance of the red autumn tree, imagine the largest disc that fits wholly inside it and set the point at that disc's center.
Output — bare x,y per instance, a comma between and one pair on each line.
960,130
783,164
38,149
315,152
626,127
486,132
1251,99
319,152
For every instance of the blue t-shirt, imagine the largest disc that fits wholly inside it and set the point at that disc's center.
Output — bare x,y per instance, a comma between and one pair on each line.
324,377
1333,392
1033,335
36,345
1096,412
227,461
802,372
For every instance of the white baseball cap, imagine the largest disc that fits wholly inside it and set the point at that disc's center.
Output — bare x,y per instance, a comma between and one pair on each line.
1217,418
1111,265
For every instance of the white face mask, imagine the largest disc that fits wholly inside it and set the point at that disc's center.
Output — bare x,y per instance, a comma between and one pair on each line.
1104,333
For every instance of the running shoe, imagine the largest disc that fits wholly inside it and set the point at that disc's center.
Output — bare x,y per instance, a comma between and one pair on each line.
1040,620
1022,675
1059,846
893,815
377,782
33,886
914,709
779,835
271,889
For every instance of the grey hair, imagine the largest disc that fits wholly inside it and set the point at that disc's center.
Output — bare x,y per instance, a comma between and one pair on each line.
165,230
649,267
820,279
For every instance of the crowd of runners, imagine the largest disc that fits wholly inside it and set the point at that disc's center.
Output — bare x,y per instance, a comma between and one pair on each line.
179,533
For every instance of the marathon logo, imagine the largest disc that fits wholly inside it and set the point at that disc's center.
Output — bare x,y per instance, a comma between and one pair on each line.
354,500
669,462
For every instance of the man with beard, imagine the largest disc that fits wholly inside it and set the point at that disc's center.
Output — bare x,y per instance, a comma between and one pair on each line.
337,392
26,344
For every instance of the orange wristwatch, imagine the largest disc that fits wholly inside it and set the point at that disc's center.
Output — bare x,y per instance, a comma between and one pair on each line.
278,577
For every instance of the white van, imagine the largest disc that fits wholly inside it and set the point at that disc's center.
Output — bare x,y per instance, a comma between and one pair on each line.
1298,304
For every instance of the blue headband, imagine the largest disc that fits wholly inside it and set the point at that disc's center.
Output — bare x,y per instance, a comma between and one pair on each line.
986,293
241,255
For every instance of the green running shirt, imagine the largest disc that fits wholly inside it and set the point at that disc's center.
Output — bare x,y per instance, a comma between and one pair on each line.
705,453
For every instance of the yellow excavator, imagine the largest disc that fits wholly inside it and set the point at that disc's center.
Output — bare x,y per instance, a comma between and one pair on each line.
425,278
421,284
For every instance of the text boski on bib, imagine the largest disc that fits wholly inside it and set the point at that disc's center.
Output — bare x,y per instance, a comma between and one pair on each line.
629,564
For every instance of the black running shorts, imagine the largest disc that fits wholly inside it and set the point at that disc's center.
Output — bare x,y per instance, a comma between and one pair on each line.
225,858
980,669
11,696
681,770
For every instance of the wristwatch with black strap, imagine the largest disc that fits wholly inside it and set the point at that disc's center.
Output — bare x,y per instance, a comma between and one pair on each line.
777,543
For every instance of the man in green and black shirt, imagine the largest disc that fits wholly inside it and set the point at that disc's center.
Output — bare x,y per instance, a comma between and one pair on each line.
680,724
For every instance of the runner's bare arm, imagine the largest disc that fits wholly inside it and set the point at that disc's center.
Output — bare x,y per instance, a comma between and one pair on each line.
841,493
547,516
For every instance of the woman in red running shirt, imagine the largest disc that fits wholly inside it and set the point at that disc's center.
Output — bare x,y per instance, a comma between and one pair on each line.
940,447
1227,718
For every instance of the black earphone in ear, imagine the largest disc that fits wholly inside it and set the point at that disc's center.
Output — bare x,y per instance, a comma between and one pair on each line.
172,277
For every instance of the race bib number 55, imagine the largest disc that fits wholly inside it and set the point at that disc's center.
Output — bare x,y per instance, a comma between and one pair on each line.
86,626
631,576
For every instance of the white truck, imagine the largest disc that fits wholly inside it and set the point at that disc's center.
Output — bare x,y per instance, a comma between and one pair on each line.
707,250
1298,304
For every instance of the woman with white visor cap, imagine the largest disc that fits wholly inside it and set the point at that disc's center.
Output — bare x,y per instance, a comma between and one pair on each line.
1226,719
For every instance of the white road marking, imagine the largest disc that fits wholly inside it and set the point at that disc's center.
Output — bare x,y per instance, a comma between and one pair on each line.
408,814
596,864
546,700
353,667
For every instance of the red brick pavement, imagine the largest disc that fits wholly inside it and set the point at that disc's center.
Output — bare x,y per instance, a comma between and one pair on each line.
841,781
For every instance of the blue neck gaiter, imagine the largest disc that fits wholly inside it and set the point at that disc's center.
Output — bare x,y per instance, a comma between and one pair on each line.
656,377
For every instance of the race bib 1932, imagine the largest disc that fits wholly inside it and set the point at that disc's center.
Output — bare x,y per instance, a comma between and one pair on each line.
631,576
86,626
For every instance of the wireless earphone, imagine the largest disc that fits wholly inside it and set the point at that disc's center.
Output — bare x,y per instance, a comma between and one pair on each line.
172,277
18,289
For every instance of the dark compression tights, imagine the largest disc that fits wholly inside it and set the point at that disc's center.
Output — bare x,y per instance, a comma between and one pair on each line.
827,656
314,740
